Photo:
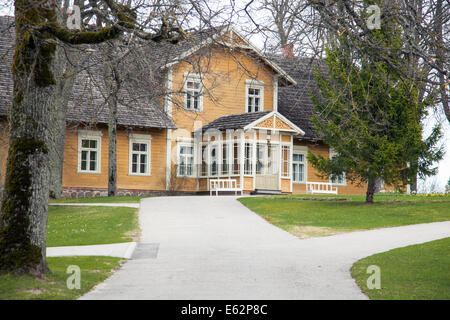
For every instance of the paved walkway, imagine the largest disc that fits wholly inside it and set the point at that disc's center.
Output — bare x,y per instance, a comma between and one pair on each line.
120,250
215,248
118,204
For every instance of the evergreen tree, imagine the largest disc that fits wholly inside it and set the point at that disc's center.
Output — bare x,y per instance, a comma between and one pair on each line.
370,115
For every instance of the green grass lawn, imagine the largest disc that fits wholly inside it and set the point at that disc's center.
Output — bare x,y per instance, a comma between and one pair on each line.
415,272
305,218
93,271
73,226
117,199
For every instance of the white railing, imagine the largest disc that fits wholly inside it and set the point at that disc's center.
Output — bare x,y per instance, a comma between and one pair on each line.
217,185
321,187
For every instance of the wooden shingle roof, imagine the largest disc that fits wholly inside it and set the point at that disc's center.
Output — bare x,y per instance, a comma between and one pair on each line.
234,121
294,102
87,103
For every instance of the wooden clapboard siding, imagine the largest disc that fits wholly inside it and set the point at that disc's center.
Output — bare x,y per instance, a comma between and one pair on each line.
285,185
156,181
225,87
312,174
248,184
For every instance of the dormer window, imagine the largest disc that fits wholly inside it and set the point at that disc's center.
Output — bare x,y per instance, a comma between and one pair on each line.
254,96
193,99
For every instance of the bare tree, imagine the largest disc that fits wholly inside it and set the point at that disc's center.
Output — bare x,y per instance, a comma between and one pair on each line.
24,207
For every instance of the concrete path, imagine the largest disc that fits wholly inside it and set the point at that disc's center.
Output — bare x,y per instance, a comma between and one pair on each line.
130,205
215,248
120,250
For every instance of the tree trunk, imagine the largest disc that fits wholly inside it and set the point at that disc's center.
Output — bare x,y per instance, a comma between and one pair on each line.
64,90
371,186
112,84
440,55
23,220
112,148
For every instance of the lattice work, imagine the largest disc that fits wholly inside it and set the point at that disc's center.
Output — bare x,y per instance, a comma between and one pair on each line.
268,123
280,124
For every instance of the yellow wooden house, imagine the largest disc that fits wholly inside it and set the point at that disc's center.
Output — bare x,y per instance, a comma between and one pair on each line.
229,112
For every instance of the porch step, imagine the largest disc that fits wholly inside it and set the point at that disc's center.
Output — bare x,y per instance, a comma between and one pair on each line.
266,192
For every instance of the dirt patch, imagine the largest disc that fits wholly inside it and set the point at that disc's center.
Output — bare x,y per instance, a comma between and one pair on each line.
305,232
33,291
270,220
135,235
313,199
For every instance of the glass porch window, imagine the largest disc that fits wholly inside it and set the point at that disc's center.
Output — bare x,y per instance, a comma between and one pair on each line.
204,167
248,163
260,151
214,161
225,159
236,158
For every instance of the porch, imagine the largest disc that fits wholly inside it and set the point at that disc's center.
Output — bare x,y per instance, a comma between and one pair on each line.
256,153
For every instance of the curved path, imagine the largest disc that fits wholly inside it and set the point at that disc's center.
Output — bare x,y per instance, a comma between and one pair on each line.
202,247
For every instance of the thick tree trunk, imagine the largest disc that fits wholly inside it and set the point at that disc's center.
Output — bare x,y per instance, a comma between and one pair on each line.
112,148
112,84
371,188
23,221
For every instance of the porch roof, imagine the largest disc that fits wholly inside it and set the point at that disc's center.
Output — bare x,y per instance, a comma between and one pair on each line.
234,121
251,120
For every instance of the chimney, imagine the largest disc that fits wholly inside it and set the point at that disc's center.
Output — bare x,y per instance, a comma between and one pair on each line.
288,50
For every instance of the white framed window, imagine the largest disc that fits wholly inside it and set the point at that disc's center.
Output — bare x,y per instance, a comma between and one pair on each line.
260,158
298,167
254,96
248,156
89,151
236,147
193,98
225,160
214,160
185,160
140,151
285,161
337,179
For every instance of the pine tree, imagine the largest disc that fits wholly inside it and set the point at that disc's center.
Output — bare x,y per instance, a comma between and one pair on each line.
370,115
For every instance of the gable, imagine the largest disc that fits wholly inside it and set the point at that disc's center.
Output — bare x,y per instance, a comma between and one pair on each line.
231,38
228,37
275,122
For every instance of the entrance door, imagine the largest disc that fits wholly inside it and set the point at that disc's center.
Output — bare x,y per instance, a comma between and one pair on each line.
267,175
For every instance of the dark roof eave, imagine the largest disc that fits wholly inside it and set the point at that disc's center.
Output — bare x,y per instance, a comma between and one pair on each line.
124,125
